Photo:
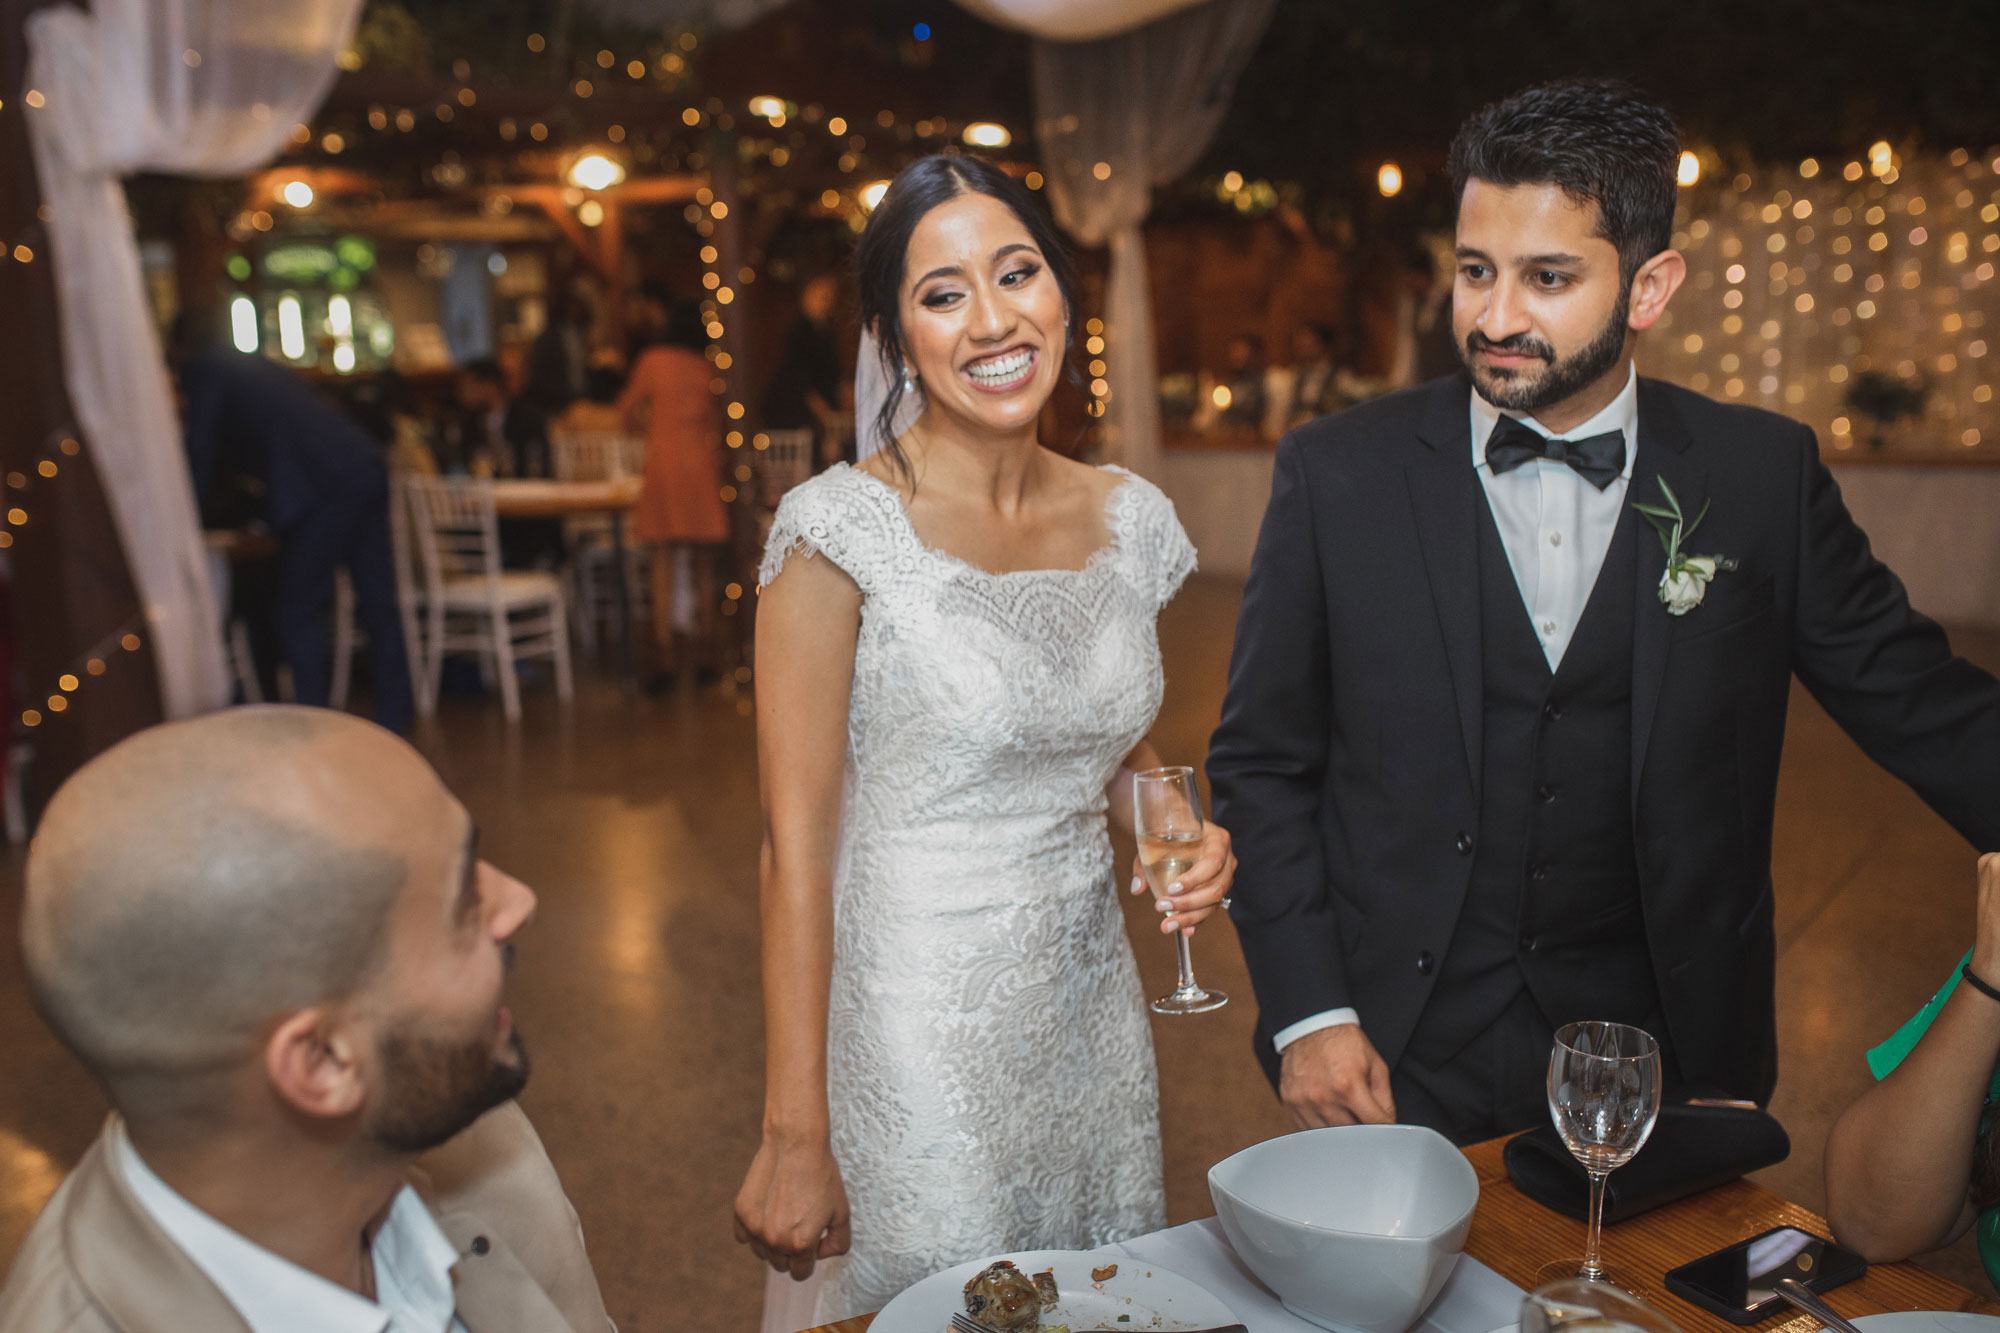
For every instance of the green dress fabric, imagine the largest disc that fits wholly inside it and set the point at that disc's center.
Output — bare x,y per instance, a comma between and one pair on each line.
1892,1053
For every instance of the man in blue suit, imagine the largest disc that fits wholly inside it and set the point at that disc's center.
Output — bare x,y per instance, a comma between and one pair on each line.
326,495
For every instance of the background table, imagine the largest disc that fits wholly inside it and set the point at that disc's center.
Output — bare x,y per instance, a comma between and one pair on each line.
1515,1236
524,497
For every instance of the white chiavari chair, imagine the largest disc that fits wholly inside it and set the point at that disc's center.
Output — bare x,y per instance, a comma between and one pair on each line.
471,604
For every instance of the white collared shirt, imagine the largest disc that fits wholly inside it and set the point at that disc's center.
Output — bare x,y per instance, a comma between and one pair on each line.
412,1256
1555,525
1556,528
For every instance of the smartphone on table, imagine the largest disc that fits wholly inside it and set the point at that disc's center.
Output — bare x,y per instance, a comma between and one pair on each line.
1740,1283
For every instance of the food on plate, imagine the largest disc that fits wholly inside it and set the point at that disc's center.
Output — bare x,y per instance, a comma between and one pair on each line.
1002,1297
1104,1274
1045,1287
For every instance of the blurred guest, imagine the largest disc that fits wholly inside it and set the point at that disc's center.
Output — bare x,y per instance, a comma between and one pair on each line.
267,934
647,319
325,490
680,514
1315,384
559,360
1243,376
807,387
480,437
1913,1164
1425,347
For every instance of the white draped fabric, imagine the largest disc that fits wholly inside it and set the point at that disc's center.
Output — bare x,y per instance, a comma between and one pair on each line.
194,87
1115,118
1073,20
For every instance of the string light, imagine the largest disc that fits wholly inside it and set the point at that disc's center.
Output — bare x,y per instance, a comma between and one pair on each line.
1876,287
89,664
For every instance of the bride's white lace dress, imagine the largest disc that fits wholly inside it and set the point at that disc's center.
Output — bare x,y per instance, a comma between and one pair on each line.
990,1065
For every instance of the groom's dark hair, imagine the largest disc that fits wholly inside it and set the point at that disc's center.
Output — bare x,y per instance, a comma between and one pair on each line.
1597,140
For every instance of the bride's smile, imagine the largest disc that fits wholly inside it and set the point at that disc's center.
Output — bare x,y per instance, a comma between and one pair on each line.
984,323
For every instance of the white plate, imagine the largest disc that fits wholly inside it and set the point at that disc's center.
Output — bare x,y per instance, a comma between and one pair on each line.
1148,1296
1928,1321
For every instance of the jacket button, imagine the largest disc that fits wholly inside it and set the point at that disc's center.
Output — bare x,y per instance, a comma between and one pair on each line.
481,1245
1465,844
1426,963
1528,943
1539,874
1551,711
1545,794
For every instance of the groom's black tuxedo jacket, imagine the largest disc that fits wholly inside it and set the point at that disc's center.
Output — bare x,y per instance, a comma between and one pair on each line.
1348,761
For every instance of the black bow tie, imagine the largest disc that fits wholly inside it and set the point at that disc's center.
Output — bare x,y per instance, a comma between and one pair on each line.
1599,459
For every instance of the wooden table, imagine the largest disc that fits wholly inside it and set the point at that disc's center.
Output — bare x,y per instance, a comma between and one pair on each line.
1515,1236
523,497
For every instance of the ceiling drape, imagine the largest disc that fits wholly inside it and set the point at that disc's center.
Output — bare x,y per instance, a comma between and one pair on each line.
192,87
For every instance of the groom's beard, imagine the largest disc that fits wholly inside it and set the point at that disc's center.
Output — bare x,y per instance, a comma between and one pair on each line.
1520,391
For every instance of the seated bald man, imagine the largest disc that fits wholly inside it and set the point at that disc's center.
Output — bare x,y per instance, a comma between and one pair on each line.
269,935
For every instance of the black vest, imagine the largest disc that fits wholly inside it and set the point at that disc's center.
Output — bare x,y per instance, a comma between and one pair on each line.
1554,902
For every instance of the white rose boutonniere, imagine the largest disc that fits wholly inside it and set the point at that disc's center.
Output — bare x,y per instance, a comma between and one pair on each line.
1685,581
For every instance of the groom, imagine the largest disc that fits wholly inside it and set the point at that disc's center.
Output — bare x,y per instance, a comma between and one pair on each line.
1490,771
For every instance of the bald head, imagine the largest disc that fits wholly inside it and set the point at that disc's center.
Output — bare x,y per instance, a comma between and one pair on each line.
205,877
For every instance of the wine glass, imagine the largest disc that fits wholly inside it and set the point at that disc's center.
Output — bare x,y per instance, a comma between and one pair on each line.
1574,1305
1604,1095
1166,817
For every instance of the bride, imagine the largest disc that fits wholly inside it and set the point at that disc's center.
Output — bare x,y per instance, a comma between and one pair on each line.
956,670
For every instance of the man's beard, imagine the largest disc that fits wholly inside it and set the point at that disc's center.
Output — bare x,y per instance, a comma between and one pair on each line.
436,1088
1563,379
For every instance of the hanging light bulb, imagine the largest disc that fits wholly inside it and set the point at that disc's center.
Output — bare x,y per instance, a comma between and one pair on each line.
595,171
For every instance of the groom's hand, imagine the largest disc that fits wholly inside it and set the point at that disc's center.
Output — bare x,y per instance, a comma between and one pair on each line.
1334,1077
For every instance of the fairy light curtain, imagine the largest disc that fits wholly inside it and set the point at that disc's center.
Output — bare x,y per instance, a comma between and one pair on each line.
1115,118
195,87
1856,296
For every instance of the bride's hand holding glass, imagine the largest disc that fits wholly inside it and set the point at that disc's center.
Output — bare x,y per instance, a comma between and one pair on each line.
1199,891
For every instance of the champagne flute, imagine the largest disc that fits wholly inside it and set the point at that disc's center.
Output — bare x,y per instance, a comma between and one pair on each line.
1604,1095
1166,816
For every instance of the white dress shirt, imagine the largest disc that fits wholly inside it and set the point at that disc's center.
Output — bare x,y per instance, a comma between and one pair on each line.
411,1253
1556,528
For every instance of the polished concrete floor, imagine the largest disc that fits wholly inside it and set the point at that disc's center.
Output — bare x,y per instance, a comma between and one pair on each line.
636,820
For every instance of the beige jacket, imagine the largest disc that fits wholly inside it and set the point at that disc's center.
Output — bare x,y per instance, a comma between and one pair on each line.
96,1262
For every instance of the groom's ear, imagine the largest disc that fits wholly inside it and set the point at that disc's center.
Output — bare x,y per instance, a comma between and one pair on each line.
1653,286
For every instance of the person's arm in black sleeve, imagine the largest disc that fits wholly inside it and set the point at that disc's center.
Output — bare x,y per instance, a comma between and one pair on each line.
1887,674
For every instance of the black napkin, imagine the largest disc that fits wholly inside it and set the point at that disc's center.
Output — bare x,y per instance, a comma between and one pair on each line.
1693,1147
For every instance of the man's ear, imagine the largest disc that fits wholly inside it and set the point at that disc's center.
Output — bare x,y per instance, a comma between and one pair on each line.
312,1060
1653,286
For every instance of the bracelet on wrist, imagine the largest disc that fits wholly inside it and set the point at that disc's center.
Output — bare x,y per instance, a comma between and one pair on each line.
1990,991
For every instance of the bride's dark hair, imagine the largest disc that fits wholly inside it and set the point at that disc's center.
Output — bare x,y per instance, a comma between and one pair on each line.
879,261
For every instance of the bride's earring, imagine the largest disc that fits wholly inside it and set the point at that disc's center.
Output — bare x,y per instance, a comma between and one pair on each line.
909,380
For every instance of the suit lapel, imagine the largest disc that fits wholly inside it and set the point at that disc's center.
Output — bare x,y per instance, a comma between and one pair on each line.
1444,495
1663,453
494,1293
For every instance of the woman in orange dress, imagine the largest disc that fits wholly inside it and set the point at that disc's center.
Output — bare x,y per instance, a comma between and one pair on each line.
680,513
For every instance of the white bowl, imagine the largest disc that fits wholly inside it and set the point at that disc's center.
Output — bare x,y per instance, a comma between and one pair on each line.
1355,1228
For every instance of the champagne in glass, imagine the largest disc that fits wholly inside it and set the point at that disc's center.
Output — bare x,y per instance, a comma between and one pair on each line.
1604,1095
1166,818
1166,857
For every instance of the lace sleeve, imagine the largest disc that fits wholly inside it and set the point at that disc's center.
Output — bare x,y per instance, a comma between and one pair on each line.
1158,552
832,515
